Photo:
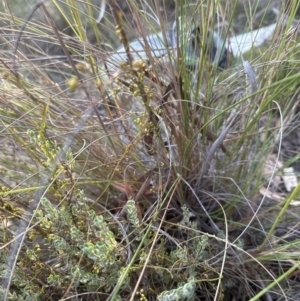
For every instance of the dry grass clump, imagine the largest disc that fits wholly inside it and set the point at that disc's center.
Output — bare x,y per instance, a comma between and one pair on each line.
126,177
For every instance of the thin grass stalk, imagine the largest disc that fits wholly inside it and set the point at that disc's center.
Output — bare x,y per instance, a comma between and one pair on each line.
293,195
276,282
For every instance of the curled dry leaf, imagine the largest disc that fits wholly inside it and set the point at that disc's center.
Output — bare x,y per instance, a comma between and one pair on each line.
289,178
271,164
271,194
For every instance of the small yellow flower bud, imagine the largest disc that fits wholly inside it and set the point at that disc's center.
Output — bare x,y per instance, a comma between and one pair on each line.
81,67
73,83
138,65
98,83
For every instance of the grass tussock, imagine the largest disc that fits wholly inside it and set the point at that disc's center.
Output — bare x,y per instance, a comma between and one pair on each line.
140,174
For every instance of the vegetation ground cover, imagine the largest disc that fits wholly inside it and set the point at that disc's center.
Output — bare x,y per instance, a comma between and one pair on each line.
152,179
